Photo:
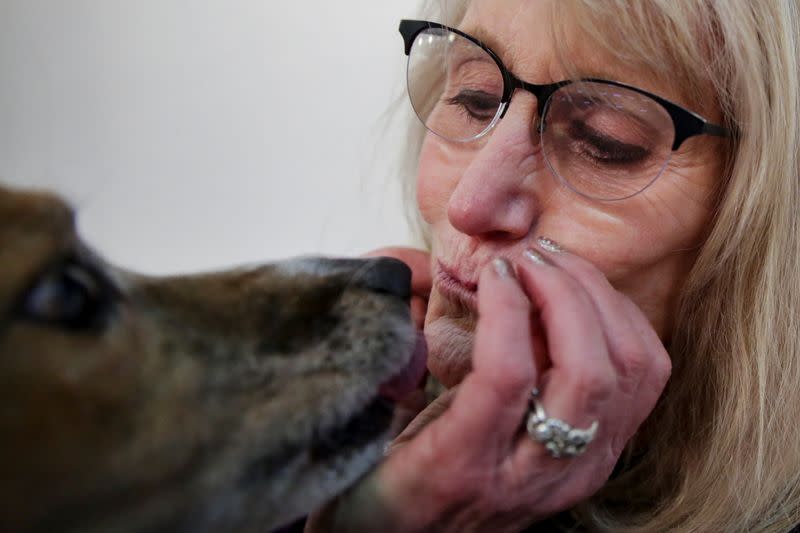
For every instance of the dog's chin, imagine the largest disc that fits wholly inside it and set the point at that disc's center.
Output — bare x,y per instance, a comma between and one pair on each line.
361,430
338,456
337,459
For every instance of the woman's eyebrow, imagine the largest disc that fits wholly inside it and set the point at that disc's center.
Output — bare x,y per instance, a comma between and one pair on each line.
576,70
487,39
481,34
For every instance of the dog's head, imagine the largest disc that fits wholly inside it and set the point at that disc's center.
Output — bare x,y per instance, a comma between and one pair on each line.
234,400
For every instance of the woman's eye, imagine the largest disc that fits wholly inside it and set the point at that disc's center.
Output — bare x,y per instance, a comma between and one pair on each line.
71,296
479,105
603,147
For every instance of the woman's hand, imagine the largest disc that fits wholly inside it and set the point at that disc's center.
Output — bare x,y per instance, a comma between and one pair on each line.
554,322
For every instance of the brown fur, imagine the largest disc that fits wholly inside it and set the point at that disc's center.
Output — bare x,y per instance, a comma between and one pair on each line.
197,403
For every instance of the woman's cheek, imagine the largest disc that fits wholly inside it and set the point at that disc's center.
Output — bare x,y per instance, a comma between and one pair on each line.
429,200
437,177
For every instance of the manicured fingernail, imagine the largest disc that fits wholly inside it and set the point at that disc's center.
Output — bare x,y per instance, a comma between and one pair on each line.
503,268
549,244
534,256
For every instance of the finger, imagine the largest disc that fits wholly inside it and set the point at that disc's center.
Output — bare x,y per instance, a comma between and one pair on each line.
626,347
492,399
406,412
539,341
582,376
635,349
432,412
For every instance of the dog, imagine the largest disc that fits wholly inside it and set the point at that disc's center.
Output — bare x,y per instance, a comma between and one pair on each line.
232,401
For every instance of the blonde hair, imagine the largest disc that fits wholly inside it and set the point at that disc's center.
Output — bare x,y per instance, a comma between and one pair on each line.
721,451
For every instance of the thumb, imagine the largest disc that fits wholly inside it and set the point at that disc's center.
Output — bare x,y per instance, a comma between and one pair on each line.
433,411
491,401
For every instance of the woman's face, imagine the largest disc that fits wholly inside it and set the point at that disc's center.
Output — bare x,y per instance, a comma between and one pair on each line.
493,197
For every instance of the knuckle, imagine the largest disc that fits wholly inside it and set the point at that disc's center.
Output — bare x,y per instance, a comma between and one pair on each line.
663,368
594,386
458,485
518,381
633,361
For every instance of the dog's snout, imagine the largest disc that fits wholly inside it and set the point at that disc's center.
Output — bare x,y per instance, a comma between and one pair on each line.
387,275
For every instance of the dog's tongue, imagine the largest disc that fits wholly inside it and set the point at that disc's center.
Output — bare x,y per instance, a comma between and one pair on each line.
410,378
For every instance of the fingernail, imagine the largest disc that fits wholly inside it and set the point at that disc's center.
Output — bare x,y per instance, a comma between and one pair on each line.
503,268
549,244
534,257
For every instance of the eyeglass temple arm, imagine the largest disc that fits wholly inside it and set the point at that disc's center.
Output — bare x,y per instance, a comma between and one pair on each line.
715,129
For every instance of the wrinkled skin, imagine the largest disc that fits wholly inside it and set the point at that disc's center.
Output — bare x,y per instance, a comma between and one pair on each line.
587,325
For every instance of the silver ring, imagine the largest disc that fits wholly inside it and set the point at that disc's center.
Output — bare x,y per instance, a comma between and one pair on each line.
559,438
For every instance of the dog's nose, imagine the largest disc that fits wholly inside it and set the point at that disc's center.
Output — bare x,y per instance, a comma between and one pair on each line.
387,275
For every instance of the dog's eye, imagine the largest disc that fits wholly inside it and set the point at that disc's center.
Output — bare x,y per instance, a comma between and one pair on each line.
71,296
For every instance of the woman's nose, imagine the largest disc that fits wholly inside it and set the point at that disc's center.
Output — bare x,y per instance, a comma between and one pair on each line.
499,194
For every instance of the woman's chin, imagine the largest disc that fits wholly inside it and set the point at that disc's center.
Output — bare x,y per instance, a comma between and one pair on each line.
449,348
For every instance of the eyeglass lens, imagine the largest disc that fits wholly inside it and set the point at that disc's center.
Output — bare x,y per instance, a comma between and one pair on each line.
604,141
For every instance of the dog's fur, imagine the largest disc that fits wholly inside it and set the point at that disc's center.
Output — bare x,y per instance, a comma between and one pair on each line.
221,402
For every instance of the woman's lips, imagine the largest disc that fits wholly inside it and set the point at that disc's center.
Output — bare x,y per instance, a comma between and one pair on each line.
451,286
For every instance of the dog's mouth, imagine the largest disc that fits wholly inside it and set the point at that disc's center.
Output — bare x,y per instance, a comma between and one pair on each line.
374,420
360,430
342,451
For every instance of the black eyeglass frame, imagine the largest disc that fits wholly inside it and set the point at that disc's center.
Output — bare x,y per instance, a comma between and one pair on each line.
686,123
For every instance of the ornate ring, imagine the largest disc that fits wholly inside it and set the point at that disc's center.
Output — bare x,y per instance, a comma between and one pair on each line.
559,438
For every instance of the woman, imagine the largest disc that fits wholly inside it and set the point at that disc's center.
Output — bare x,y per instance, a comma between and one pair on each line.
585,237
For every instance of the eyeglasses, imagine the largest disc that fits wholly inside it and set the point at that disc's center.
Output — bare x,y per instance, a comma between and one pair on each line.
603,139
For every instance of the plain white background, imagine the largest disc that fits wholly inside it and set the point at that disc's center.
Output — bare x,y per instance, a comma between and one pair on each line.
195,134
